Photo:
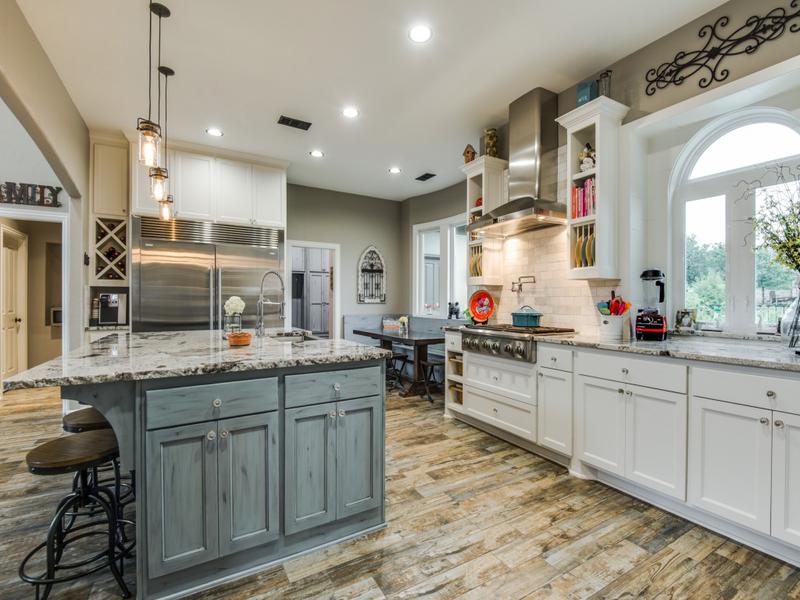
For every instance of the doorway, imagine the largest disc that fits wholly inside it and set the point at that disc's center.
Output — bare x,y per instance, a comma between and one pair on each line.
13,301
314,287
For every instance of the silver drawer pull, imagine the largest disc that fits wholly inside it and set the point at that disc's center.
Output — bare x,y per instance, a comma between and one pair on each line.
624,371
337,387
332,414
770,394
217,402
341,412
541,374
494,409
212,435
779,424
764,421
629,393
553,359
223,434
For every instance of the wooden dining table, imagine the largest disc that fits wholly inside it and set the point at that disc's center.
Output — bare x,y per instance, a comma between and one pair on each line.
420,340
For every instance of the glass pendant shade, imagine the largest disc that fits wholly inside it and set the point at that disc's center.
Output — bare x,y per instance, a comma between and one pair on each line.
158,183
149,143
166,209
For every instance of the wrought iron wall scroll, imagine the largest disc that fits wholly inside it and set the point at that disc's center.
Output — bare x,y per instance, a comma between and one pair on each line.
371,277
707,61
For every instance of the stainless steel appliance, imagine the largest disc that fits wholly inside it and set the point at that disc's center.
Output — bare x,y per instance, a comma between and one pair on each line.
532,170
651,320
113,309
506,341
183,271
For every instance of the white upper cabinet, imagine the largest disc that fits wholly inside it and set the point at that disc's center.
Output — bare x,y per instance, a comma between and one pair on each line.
233,200
193,185
269,196
109,180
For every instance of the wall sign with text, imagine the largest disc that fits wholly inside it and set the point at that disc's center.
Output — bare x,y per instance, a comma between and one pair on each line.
29,194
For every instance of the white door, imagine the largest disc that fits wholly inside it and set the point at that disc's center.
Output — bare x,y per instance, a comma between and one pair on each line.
193,185
786,477
655,445
600,423
234,192
730,461
13,284
269,196
554,404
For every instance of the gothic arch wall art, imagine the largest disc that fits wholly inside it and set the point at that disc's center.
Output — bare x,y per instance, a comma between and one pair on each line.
371,277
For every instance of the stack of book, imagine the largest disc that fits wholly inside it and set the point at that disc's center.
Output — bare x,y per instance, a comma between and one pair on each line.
584,199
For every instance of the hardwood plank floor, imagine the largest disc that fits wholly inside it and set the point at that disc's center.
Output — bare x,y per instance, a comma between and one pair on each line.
469,516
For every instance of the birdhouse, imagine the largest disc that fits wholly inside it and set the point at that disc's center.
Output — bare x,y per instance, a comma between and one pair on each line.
469,154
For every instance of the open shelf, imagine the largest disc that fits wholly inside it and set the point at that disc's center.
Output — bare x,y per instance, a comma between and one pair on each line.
584,175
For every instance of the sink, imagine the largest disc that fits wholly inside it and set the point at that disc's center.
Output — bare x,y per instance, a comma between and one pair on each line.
292,337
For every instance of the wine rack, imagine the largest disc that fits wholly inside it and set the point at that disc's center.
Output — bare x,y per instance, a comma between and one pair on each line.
110,250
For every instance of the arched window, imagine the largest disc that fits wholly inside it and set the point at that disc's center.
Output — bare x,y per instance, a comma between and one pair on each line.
724,175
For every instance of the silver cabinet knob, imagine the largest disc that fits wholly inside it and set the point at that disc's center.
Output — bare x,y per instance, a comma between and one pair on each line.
541,374
779,424
770,394
553,359
620,391
212,435
624,371
332,414
217,402
629,393
223,434
341,412
337,387
764,421
494,409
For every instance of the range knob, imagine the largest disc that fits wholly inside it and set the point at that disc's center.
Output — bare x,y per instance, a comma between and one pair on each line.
485,344
495,346
508,348
519,350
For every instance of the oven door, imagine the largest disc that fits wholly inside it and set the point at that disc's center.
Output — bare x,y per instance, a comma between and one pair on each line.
510,378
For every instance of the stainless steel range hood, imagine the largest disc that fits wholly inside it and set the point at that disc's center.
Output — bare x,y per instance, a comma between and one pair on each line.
532,167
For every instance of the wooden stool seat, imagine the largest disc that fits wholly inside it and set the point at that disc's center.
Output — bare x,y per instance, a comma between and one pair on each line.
73,453
86,419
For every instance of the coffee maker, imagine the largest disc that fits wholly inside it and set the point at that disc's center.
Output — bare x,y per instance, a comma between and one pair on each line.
651,320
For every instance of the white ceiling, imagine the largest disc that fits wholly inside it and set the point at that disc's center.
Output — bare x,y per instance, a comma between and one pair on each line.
241,64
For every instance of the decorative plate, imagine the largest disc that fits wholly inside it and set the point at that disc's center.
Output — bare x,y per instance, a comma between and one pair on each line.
481,306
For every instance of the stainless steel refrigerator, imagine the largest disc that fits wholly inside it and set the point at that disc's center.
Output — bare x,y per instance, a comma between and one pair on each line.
184,271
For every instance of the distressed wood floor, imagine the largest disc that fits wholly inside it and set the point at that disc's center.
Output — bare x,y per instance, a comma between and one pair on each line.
469,517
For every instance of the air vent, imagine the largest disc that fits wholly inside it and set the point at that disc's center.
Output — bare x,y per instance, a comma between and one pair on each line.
296,123
210,233
426,176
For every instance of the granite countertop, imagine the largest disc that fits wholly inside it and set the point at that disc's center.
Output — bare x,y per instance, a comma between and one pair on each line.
763,354
137,356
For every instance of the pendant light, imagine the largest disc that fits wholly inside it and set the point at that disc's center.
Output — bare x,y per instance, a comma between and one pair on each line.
159,176
149,130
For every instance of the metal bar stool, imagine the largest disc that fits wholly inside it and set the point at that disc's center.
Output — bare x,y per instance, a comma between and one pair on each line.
79,453
394,372
428,371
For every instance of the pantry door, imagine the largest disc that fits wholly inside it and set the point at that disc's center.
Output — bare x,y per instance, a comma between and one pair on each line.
13,302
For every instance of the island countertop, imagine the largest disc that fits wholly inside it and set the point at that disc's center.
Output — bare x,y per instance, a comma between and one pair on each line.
156,355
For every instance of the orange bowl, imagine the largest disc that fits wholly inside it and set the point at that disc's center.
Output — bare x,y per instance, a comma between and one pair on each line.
240,338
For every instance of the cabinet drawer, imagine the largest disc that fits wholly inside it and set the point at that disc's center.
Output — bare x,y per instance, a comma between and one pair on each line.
330,386
197,403
515,380
760,391
618,366
515,417
554,357
452,341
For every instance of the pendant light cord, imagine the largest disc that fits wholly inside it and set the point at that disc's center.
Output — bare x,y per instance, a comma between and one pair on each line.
159,64
166,105
150,65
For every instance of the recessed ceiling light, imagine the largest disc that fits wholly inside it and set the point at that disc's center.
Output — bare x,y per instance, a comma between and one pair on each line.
420,34
215,132
317,153
351,112
394,170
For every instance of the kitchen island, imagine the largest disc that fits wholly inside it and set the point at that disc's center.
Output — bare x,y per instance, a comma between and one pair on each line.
242,457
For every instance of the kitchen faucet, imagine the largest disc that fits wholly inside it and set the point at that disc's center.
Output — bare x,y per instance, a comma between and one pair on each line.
262,302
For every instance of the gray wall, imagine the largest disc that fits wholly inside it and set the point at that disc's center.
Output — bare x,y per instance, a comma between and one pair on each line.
423,209
355,222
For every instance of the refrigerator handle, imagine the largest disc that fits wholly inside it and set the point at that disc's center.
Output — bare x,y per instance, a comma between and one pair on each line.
219,298
211,298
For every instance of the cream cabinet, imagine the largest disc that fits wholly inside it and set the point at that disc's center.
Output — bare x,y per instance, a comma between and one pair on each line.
730,462
554,410
233,197
193,185
269,196
786,477
600,423
109,180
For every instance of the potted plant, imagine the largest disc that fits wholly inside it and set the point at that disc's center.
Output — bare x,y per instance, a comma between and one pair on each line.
234,307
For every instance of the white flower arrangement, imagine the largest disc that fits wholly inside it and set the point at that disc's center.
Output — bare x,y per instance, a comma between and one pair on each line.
234,306
403,321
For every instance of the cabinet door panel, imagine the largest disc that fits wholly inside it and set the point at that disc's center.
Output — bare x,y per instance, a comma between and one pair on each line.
234,193
248,481
600,423
730,461
110,180
510,415
359,450
181,498
310,466
269,196
786,478
554,407
193,185
656,440
141,202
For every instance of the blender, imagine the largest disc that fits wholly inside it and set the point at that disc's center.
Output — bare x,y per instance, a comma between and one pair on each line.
651,320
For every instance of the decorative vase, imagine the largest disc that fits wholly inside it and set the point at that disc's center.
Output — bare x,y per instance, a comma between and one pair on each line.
232,324
790,325
490,141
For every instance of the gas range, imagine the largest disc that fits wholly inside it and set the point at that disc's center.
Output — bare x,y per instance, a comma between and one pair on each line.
506,341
